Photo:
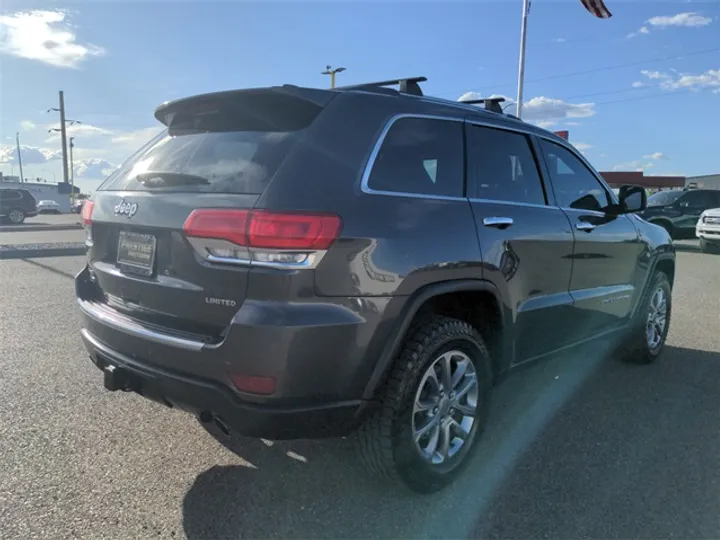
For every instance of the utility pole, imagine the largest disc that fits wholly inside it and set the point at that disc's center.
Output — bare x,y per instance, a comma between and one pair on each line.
72,172
63,137
17,143
329,70
63,133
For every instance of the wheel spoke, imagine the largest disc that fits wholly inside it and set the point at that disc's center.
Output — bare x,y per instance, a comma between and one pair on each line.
432,380
420,433
458,430
446,372
462,366
466,409
469,384
446,436
431,448
422,405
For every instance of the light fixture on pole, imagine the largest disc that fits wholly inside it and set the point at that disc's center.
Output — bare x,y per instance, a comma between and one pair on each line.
329,70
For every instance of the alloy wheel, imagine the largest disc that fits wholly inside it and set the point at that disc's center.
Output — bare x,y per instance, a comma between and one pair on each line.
445,407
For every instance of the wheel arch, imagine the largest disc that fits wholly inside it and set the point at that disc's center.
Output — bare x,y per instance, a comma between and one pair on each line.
429,298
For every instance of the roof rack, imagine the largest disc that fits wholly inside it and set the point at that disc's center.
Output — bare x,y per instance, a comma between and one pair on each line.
408,85
491,104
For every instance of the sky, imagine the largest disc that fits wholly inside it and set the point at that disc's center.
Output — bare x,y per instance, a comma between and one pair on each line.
638,91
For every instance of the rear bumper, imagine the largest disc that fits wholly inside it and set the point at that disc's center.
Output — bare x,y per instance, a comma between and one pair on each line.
203,397
321,355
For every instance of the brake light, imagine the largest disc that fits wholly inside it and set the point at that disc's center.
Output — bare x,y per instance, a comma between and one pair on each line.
265,229
86,213
228,225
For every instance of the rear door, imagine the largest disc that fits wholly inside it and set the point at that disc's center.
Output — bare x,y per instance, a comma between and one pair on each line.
526,241
607,247
217,152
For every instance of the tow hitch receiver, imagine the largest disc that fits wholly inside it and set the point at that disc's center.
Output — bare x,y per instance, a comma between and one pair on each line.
117,379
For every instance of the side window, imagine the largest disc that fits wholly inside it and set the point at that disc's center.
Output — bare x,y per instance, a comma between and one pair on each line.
420,156
695,200
502,167
10,195
574,184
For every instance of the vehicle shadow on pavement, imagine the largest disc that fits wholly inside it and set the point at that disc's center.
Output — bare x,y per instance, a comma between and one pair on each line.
575,447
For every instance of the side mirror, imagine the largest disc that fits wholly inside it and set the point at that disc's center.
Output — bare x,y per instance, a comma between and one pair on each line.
632,199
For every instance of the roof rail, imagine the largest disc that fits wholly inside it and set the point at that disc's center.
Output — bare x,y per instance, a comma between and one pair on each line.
408,85
491,104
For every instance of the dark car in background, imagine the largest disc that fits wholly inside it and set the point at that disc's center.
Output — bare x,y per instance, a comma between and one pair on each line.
290,262
16,205
678,211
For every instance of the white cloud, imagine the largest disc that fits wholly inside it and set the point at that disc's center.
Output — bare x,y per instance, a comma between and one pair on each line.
639,84
44,36
93,168
637,165
655,156
687,19
690,19
582,146
77,130
27,125
573,124
30,155
559,40
542,111
675,81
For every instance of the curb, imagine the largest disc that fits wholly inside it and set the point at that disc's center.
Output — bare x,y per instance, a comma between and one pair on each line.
31,228
31,251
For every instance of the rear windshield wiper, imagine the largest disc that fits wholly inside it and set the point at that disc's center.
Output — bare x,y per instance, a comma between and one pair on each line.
167,179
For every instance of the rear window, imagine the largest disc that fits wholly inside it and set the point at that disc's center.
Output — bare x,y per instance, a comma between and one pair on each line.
227,143
224,162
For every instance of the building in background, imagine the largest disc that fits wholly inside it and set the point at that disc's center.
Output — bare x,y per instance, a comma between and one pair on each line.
707,181
637,178
58,192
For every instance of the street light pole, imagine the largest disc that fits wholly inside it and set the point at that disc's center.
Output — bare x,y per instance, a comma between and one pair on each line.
521,63
17,143
329,70
72,172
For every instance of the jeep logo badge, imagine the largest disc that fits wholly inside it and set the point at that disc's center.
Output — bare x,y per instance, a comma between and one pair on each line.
124,208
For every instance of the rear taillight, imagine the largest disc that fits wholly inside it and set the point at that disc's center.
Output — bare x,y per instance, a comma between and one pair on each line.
261,236
86,214
86,218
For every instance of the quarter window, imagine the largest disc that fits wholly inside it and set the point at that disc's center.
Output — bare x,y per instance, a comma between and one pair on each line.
420,156
574,184
502,167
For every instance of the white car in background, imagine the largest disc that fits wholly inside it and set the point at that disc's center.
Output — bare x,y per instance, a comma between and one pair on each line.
707,230
48,207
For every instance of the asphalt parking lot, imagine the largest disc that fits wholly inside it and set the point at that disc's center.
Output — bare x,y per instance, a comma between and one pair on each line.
592,448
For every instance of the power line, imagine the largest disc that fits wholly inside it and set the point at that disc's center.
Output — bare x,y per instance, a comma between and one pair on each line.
603,68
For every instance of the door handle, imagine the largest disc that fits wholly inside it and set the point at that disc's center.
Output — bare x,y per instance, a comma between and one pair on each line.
584,226
499,222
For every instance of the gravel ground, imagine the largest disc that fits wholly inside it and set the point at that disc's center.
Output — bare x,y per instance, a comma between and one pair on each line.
577,447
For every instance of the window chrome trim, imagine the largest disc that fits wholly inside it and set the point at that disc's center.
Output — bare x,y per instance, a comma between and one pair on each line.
493,125
364,183
127,326
567,146
512,203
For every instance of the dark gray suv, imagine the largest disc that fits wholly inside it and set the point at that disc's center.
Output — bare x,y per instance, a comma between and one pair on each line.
290,262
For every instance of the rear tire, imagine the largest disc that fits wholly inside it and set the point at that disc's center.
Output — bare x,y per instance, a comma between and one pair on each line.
438,353
16,216
646,338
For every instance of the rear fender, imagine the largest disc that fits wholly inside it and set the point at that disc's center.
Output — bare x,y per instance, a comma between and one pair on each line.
411,309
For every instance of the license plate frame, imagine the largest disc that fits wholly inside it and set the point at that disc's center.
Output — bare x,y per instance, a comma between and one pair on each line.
136,265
